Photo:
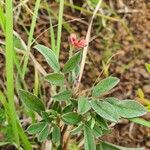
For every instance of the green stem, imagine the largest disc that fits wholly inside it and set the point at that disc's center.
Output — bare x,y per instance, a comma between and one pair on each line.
9,69
37,5
60,20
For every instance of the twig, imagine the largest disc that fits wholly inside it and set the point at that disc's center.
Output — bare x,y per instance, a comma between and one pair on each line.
88,36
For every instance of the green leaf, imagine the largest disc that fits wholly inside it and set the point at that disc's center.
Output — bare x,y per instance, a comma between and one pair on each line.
31,101
109,146
63,96
127,108
77,129
147,67
71,118
101,122
36,127
105,110
49,56
43,134
141,121
83,105
72,63
45,116
56,134
97,131
55,79
2,19
89,142
104,86
68,108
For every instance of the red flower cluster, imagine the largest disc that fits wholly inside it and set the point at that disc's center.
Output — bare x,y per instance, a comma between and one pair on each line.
77,43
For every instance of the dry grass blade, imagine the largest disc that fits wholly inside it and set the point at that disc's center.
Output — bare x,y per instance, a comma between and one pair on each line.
88,36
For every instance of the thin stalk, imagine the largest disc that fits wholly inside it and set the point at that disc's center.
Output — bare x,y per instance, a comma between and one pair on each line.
37,5
89,12
36,82
60,20
10,70
2,18
52,34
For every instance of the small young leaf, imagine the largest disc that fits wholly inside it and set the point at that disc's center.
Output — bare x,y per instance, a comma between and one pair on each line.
68,108
104,86
56,134
147,67
101,122
110,146
45,116
43,134
83,105
77,129
49,56
72,63
55,79
56,107
36,127
105,110
31,101
97,131
63,96
89,142
71,118
127,108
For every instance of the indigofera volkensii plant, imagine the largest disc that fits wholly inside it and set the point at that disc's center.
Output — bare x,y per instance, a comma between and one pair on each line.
71,114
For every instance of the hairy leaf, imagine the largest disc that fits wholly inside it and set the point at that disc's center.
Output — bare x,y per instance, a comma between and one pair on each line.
89,142
36,127
127,108
105,110
72,63
63,96
31,101
55,79
49,56
104,86
71,118
83,105
43,134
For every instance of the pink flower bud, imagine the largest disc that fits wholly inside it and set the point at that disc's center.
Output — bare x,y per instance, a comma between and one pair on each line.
77,43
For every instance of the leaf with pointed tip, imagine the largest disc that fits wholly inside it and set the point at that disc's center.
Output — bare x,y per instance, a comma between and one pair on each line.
43,134
102,122
104,86
62,96
83,105
72,62
36,127
49,55
89,142
105,110
127,108
71,118
56,134
31,101
77,129
55,79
